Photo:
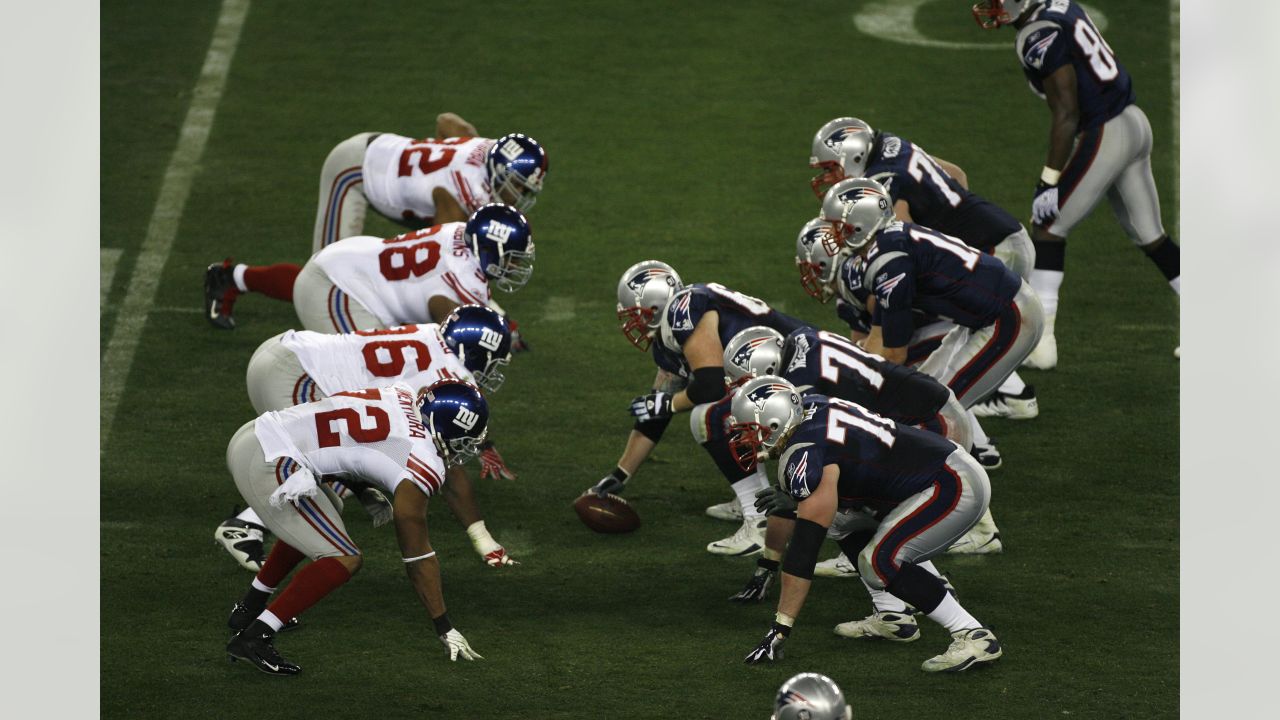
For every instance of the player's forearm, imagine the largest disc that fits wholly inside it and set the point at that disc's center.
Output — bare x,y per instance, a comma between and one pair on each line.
637,450
897,355
425,576
1062,134
794,592
421,563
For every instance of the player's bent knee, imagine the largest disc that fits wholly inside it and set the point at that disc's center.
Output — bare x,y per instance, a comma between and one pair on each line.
352,563
867,569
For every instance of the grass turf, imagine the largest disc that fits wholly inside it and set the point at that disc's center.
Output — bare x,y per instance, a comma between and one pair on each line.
675,131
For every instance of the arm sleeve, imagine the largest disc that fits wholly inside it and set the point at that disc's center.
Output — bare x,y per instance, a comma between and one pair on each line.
895,287
1045,49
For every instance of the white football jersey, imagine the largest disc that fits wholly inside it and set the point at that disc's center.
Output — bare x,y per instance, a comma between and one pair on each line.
401,173
414,354
394,278
374,435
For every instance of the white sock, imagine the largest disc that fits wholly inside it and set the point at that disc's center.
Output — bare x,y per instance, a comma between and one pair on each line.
1046,284
950,615
979,435
274,622
1176,284
238,275
746,490
884,601
257,585
248,515
1013,385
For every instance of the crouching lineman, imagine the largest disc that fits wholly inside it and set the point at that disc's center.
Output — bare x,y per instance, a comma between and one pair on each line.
918,493
472,344
417,183
384,437
691,324
810,696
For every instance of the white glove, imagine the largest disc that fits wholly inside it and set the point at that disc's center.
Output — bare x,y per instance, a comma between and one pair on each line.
458,645
375,503
1044,209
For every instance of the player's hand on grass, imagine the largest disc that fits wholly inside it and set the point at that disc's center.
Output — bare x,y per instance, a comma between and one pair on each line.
458,646
654,406
770,648
518,343
376,504
499,558
756,588
492,465
772,501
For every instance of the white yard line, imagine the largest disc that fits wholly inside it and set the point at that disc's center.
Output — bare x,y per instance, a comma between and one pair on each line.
109,258
559,308
163,228
1175,56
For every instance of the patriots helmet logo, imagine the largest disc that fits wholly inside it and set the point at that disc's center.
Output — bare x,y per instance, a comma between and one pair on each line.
855,194
838,135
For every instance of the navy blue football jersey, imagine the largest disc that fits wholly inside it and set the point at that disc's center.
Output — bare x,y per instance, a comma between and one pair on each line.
1062,33
910,267
827,364
937,200
851,306
881,462
736,312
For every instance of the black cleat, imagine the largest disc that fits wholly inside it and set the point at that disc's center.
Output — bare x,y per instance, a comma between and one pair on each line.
220,294
243,541
257,650
241,617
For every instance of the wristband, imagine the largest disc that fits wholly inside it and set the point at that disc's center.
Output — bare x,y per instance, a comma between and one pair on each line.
1049,176
619,474
419,557
443,626
784,619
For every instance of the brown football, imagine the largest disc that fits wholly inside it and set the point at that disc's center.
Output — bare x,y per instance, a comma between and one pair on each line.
610,514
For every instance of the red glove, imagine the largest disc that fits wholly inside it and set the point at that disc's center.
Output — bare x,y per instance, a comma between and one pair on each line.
492,465
517,340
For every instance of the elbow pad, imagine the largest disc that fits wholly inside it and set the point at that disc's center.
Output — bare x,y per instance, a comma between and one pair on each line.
707,385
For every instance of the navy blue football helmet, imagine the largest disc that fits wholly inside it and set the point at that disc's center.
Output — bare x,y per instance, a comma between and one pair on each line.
517,166
457,417
502,240
481,339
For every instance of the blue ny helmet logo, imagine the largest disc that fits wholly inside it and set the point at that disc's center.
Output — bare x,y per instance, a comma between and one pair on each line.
466,419
498,232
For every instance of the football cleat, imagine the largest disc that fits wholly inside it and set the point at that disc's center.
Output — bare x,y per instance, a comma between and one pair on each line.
983,539
887,624
241,617
968,648
1045,356
838,566
730,511
1177,352
243,540
220,294
748,540
1022,406
987,455
257,650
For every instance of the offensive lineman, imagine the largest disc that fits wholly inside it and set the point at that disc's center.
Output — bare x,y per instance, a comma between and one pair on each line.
915,493
1099,144
472,345
385,437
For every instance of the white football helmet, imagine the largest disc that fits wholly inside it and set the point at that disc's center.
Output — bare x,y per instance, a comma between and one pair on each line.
753,352
643,293
810,696
992,14
762,415
840,150
857,208
818,256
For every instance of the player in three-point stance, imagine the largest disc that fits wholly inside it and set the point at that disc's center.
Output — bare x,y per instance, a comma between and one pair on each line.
909,495
472,344
935,193
385,437
1099,144
686,328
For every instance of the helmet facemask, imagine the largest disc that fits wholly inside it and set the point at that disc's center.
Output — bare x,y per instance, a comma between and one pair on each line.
638,325
991,14
514,269
817,256
765,412
491,377
831,174
643,293
512,188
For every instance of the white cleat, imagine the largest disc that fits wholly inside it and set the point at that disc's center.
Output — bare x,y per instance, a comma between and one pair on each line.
1045,356
838,566
730,511
968,648
887,624
1177,352
983,539
1022,406
748,540
243,541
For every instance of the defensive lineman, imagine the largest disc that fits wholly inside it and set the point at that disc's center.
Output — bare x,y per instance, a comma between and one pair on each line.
385,437
1099,144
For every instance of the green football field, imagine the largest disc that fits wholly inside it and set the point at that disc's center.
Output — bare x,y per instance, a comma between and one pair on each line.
677,131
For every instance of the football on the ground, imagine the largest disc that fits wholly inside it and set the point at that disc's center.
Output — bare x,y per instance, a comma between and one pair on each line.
608,514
